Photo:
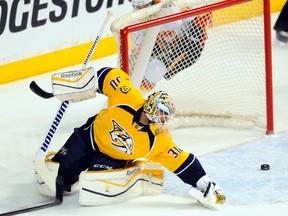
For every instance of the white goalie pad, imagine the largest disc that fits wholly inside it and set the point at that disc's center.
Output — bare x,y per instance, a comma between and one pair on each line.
114,186
46,188
74,86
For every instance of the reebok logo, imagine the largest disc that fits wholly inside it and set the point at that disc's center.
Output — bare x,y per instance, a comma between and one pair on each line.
71,74
133,171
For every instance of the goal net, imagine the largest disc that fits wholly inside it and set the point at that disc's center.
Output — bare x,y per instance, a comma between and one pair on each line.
213,57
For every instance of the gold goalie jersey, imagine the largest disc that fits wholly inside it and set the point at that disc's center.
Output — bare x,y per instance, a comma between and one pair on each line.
117,132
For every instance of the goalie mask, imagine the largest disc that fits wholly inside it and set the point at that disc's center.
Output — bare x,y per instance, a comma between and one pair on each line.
139,4
159,108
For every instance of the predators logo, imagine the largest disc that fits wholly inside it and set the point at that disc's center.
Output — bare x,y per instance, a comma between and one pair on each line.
121,139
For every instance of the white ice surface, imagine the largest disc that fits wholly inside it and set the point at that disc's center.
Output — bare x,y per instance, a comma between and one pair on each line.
25,119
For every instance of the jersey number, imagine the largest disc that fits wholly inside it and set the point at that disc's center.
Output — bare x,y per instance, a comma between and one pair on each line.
114,83
175,151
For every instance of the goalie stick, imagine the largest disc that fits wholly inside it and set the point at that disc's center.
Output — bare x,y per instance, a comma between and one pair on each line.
57,200
39,158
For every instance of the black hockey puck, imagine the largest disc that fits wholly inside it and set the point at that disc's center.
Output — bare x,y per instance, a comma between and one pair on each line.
265,167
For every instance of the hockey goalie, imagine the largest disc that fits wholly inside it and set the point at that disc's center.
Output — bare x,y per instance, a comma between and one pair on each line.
178,44
120,153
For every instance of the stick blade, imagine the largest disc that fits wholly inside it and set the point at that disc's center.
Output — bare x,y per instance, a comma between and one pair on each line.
40,92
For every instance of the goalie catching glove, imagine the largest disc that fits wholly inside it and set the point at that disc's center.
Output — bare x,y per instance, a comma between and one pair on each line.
74,86
211,197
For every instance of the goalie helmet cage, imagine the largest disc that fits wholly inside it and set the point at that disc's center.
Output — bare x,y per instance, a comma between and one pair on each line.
226,81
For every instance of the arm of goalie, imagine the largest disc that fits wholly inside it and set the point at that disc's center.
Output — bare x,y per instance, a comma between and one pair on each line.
75,86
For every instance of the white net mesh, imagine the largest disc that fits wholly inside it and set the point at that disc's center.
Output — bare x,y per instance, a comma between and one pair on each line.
212,64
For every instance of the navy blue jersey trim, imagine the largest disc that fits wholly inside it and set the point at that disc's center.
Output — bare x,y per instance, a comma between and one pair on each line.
101,74
190,171
127,108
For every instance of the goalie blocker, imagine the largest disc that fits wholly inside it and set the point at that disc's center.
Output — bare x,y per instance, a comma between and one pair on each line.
74,86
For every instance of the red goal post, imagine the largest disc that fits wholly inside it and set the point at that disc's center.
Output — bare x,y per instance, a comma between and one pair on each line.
227,79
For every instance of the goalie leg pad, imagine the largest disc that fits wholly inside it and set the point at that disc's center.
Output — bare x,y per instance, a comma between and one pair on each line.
153,179
119,185
44,187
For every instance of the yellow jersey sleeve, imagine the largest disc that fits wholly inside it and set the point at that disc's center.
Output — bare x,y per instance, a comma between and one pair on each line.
116,85
166,152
